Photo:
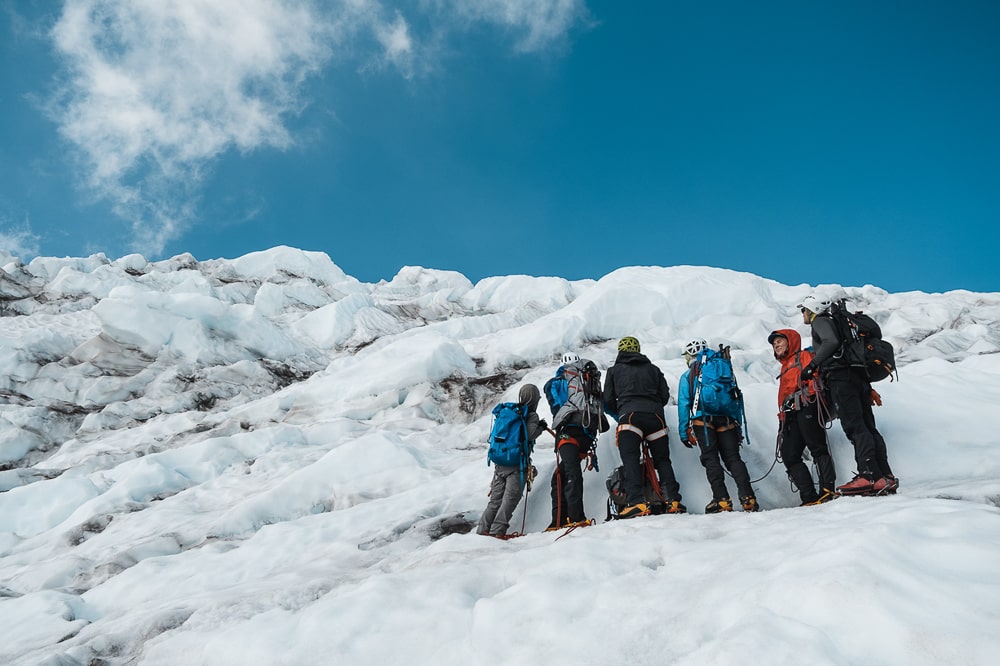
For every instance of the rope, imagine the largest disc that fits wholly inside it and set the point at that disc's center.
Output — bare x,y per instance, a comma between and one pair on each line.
726,469
823,411
769,470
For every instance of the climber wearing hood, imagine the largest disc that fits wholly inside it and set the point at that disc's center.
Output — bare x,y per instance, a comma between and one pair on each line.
514,470
800,424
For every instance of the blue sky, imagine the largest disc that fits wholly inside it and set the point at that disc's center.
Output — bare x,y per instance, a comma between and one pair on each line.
849,142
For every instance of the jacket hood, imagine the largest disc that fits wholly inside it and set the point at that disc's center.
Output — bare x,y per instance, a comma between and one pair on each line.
529,395
790,334
631,357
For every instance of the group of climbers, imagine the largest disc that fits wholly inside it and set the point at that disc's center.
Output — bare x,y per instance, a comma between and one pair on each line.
711,418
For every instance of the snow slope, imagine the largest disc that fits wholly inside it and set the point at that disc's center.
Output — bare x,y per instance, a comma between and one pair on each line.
266,461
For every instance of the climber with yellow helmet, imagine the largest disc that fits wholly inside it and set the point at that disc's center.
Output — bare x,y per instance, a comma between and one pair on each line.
635,393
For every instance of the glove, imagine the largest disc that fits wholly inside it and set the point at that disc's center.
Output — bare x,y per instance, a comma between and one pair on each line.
876,398
690,440
807,373
530,476
543,424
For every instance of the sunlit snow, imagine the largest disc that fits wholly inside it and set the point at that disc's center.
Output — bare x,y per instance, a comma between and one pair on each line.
265,461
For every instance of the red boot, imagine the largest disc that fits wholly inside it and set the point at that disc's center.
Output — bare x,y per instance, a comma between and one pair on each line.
858,486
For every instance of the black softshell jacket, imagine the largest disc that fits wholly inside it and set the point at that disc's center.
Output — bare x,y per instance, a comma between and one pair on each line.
634,384
826,343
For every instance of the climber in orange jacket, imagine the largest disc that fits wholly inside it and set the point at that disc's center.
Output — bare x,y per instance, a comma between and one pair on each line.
800,424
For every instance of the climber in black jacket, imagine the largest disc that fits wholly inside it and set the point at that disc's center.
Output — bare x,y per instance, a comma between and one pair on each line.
635,393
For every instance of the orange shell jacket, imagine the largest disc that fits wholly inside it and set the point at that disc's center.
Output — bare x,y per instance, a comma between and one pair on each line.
791,365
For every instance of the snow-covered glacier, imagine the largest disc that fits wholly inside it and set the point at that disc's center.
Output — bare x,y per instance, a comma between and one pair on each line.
264,460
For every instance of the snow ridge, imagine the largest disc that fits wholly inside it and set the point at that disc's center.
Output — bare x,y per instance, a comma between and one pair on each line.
264,460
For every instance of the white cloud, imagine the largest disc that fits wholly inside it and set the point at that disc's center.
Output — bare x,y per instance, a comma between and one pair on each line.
540,22
155,90
397,44
20,243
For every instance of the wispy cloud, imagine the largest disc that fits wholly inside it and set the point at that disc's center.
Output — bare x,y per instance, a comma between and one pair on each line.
153,92
17,241
536,24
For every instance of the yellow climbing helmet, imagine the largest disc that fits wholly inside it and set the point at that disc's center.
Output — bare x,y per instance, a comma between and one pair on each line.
628,344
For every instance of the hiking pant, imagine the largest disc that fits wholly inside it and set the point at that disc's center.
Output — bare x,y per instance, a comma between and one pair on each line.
505,493
800,429
852,397
567,480
719,440
630,449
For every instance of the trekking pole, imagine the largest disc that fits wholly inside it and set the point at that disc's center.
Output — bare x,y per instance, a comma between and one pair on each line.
527,491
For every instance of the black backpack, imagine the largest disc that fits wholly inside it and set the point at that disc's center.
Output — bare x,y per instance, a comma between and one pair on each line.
863,345
617,499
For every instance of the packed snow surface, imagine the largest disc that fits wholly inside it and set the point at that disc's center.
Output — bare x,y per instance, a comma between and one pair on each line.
265,461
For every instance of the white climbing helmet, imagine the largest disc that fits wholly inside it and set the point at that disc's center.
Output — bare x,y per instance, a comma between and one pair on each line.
570,357
815,303
695,346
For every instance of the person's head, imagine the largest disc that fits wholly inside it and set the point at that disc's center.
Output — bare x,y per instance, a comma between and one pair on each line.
779,343
570,357
693,348
813,305
529,395
628,344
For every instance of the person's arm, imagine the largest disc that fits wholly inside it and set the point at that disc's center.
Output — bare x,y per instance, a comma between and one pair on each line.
663,391
535,427
609,396
683,406
826,342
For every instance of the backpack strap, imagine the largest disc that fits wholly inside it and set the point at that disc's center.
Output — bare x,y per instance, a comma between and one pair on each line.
694,384
522,411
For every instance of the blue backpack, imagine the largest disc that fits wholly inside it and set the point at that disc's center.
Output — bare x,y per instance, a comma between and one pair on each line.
713,385
509,436
556,390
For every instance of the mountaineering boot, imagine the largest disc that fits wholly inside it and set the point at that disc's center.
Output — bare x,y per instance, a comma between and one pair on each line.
633,510
719,505
580,523
825,495
750,503
859,485
675,506
809,499
886,486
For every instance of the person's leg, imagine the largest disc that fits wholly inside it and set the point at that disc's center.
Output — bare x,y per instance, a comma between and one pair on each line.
814,435
572,476
729,450
707,442
792,445
513,489
629,445
558,498
846,398
868,415
659,449
493,505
